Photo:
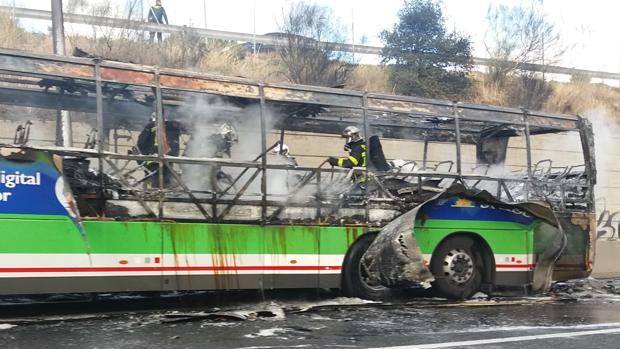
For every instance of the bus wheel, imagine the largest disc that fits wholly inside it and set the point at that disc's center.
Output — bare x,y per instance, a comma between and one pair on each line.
355,280
457,267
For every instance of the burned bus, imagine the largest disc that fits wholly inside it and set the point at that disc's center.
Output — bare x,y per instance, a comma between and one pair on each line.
119,177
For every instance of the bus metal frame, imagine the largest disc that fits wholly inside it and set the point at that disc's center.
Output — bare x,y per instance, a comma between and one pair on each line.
21,72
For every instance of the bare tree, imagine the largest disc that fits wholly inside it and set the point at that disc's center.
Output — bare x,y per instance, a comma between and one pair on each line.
308,59
126,43
108,42
518,36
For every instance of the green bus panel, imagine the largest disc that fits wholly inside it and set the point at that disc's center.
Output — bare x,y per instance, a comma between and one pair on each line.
58,234
502,237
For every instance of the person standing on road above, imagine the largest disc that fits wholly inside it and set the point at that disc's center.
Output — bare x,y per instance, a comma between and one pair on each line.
157,14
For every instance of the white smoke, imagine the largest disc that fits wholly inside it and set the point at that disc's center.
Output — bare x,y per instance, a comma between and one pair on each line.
606,141
206,115
203,119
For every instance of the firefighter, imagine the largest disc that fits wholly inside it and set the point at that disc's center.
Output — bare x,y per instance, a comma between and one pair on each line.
283,176
356,147
283,155
147,145
223,140
157,14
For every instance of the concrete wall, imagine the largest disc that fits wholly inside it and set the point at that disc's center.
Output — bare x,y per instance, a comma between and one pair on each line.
607,262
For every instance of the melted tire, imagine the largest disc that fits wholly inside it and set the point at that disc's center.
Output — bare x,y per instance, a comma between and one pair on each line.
457,267
353,283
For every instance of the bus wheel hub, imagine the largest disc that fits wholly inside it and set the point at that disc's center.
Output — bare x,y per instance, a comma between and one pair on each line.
458,265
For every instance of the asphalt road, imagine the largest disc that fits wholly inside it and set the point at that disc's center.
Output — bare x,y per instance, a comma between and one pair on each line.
588,317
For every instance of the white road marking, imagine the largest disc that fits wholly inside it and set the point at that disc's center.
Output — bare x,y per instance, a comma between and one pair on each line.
505,339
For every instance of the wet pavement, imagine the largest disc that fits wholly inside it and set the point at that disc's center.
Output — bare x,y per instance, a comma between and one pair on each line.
576,315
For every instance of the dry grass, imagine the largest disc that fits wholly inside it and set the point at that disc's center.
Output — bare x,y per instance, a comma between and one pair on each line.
226,59
487,91
179,51
13,36
188,51
581,97
184,51
372,78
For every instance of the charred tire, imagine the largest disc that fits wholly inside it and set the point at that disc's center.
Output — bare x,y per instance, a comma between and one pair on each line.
457,267
354,276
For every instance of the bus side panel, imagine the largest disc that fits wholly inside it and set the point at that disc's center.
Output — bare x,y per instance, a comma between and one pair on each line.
508,233
511,246
41,239
45,254
334,243
239,256
30,245
576,261
245,256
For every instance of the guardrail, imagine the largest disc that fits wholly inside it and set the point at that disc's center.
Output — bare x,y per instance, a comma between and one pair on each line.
264,39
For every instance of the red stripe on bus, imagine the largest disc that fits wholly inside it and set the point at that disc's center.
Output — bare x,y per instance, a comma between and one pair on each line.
519,266
205,268
215,268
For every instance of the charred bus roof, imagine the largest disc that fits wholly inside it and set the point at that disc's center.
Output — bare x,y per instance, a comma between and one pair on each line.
128,92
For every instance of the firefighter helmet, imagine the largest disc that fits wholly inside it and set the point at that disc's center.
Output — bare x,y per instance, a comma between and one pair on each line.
281,149
352,134
228,132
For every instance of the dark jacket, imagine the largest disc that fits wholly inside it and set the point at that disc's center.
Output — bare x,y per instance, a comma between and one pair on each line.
157,14
147,140
357,155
